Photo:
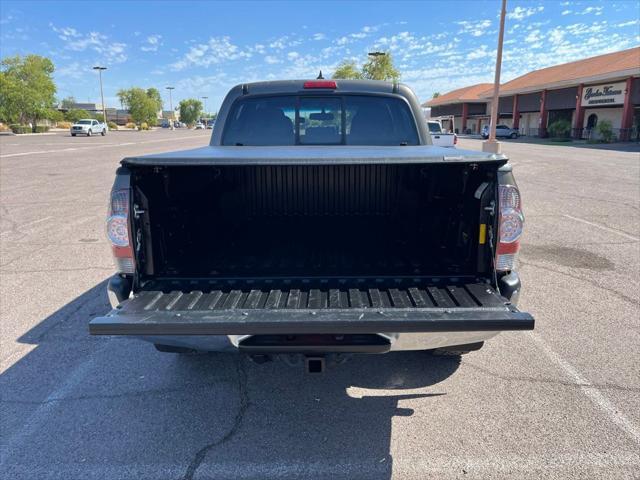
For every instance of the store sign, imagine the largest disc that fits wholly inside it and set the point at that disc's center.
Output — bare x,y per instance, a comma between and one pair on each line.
608,94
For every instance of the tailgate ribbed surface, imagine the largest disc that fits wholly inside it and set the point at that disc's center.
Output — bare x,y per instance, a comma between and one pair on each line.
473,296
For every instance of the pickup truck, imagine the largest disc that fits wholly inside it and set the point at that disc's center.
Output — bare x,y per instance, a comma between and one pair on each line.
439,137
88,126
319,222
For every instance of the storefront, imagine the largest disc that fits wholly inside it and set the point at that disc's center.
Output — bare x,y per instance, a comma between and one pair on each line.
585,99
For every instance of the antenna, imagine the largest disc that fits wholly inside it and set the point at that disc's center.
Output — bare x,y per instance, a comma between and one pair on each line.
320,77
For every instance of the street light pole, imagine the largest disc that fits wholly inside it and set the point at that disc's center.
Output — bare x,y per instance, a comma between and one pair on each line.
104,108
205,104
171,106
491,145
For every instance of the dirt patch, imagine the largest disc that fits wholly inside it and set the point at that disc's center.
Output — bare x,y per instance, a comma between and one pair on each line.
567,256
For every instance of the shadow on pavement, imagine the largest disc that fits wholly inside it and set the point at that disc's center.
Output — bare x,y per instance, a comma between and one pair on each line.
86,407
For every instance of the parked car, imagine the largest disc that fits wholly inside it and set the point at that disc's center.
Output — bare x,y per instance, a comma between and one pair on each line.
199,126
210,124
296,233
440,137
88,127
502,131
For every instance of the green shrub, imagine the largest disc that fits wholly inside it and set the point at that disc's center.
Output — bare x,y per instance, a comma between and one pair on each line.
560,129
605,130
130,125
42,128
15,128
144,126
66,125
4,128
112,125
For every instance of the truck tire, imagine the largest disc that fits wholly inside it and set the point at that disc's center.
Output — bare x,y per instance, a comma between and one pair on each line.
514,135
171,349
89,133
457,350
103,133
73,134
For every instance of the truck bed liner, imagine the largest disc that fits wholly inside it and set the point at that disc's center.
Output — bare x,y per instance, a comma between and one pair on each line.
460,307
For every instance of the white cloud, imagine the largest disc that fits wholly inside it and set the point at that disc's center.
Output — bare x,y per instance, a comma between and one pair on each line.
153,43
566,12
272,59
319,36
474,28
629,23
111,52
292,55
215,51
519,13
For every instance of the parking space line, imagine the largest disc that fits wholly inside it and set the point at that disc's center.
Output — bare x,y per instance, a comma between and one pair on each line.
101,145
28,224
589,390
602,227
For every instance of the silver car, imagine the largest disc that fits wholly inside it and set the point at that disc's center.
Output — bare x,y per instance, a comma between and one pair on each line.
88,126
502,131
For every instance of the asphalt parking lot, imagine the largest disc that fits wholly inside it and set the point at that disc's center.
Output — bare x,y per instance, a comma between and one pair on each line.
560,402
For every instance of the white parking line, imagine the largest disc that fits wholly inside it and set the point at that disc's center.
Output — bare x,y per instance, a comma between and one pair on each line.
589,390
602,227
28,224
102,145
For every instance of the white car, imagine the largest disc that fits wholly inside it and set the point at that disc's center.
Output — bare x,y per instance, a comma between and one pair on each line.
88,126
199,126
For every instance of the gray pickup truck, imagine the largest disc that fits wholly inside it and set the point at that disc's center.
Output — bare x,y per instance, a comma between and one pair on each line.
319,222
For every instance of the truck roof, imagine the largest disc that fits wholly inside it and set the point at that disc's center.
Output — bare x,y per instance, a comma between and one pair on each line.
344,86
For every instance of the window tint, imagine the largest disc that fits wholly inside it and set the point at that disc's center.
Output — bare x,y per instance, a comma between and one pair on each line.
261,121
321,120
84,122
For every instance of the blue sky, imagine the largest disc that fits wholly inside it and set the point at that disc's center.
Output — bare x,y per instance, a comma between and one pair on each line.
204,48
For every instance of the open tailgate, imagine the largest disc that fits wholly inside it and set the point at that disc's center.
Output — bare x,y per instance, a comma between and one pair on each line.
450,308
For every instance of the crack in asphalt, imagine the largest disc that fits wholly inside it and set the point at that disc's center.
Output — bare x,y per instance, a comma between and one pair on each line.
237,423
517,378
631,300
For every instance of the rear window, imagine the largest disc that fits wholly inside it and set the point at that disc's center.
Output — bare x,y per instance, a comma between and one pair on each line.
434,127
320,120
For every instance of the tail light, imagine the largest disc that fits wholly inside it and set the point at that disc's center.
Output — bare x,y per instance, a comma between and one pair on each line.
119,232
511,226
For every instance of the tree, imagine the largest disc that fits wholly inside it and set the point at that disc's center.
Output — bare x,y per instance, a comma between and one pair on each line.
378,67
141,104
27,90
190,110
68,102
75,114
347,70
435,95
154,95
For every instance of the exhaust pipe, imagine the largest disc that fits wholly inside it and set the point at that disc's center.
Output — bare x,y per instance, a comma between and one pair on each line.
314,364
